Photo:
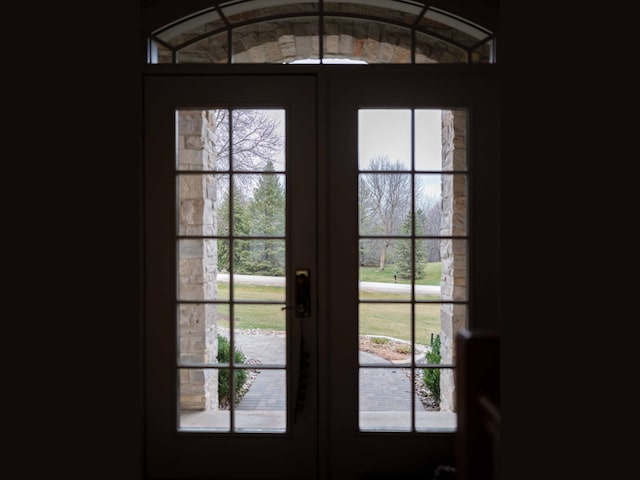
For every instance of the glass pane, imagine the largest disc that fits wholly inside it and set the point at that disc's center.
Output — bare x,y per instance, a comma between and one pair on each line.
454,266
452,135
375,349
428,325
212,49
384,9
384,202
385,269
436,385
237,12
443,196
428,140
197,269
258,288
365,39
384,139
158,53
258,140
428,197
201,199
483,53
263,407
260,334
199,329
430,417
191,28
281,41
456,30
198,393
385,399
259,205
202,139
261,273
223,277
384,333
222,319
433,50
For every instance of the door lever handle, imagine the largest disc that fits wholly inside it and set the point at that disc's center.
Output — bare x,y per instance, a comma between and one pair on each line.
302,294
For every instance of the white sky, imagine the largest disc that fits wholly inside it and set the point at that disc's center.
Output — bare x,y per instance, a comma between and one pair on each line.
387,132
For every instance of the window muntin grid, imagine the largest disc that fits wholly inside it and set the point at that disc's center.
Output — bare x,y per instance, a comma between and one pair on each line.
431,30
410,312
212,166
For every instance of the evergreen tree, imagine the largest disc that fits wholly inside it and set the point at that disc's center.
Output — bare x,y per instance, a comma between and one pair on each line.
404,260
267,218
240,228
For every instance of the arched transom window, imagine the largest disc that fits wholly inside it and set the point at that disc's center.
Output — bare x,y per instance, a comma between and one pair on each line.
287,31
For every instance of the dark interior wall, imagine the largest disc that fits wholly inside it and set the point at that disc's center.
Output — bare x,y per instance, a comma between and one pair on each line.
110,327
72,101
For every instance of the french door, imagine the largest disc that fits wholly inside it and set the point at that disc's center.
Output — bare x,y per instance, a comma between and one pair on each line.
285,223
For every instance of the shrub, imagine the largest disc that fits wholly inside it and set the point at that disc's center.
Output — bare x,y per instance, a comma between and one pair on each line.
431,376
224,354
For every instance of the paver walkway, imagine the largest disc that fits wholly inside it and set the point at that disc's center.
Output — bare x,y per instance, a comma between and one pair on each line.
381,389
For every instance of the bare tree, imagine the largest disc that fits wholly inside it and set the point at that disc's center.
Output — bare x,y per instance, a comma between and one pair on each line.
430,208
385,199
252,137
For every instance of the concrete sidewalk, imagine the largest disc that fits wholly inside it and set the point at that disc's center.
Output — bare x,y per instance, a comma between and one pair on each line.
362,286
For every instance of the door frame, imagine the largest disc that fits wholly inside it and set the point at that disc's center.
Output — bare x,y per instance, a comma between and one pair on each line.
341,448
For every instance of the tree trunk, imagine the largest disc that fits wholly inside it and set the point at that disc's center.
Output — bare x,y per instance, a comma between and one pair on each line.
383,256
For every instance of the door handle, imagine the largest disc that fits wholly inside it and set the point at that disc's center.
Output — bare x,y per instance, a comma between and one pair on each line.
302,294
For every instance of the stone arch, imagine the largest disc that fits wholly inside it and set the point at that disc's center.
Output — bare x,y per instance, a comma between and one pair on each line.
287,40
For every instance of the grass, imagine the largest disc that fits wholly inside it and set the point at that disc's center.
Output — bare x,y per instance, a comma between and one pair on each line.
394,320
433,274
251,292
264,317
388,319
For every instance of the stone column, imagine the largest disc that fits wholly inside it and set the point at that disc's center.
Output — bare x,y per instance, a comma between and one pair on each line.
198,260
453,253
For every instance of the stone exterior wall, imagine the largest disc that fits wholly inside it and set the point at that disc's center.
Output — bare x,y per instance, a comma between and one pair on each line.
197,261
453,317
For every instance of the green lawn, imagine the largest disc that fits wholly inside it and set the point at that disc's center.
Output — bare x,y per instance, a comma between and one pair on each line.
393,319
433,274
389,319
